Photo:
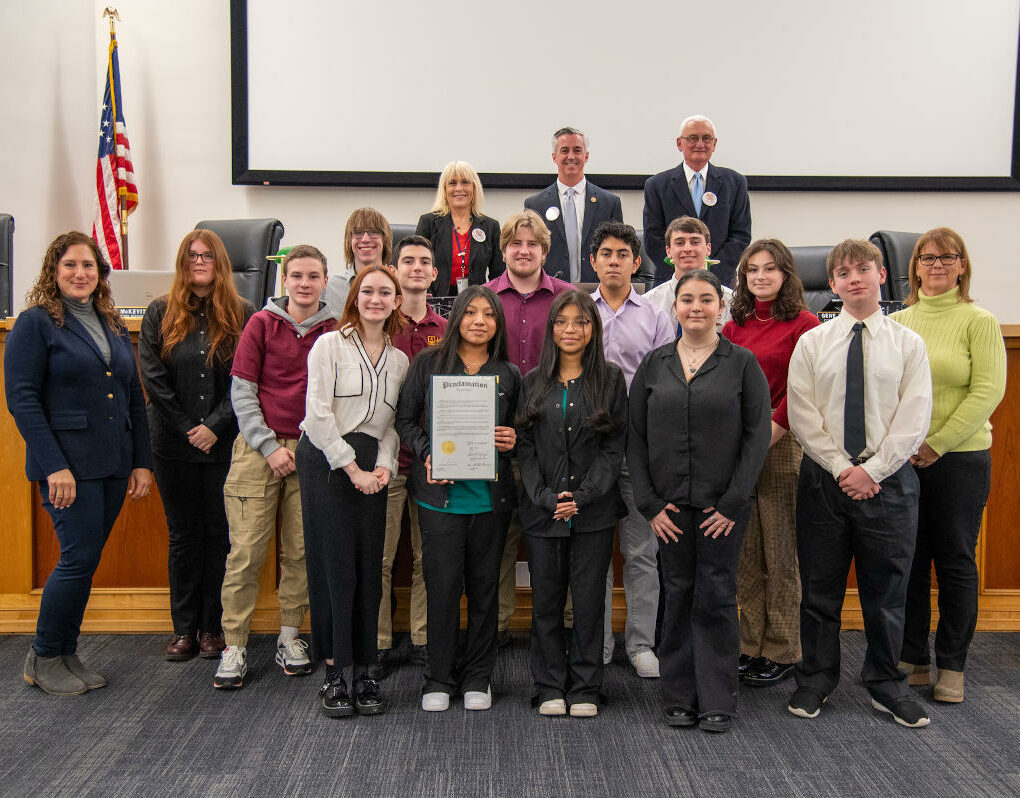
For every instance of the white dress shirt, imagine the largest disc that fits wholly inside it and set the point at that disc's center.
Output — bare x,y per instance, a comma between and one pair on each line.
579,193
346,393
690,173
897,393
664,296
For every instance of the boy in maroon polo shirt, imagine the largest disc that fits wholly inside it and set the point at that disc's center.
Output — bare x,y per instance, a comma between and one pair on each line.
423,328
268,394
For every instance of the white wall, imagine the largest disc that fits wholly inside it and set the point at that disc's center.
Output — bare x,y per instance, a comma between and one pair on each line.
175,68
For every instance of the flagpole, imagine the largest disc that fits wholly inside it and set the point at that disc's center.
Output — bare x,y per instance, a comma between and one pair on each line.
122,212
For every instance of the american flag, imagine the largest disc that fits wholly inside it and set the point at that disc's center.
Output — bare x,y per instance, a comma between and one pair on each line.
115,175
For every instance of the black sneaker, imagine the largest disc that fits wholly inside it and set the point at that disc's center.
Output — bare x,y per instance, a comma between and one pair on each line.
746,664
336,703
805,703
906,711
367,700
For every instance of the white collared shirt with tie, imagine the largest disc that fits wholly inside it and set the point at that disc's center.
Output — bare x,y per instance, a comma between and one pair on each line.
897,393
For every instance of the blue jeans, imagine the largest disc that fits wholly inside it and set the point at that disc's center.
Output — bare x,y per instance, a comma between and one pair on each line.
82,530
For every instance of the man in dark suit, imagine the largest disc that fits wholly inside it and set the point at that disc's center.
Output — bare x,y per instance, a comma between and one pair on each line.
705,191
572,197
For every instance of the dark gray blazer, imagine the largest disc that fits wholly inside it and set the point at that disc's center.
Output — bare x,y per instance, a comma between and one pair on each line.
729,220
599,206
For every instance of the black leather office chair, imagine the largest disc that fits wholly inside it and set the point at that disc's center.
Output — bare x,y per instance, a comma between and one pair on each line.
401,231
249,242
896,249
811,269
6,264
646,271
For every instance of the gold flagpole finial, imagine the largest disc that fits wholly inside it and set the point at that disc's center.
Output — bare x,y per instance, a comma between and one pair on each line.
113,15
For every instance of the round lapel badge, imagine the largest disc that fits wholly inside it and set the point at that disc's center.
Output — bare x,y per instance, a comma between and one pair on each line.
709,199
552,213
478,235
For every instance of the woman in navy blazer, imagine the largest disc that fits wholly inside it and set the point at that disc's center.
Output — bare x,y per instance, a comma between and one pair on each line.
465,241
73,389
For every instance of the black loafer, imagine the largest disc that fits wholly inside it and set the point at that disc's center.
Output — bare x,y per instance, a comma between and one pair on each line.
715,722
367,700
336,703
765,673
681,716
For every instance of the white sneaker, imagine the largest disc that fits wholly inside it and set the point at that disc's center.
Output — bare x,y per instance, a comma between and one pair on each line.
476,699
583,710
233,667
292,656
646,664
554,706
435,702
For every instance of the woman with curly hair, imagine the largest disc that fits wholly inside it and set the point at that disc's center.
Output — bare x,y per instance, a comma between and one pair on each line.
73,389
186,349
769,316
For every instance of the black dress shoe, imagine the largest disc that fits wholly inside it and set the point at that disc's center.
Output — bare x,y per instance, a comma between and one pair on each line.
765,673
715,722
336,703
367,700
381,669
681,716
746,664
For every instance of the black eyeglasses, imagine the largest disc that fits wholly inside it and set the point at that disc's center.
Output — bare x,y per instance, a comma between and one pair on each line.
945,260
205,257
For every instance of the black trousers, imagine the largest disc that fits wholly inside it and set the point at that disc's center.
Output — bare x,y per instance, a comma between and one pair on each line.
461,554
954,490
82,530
700,632
878,535
192,496
344,534
578,562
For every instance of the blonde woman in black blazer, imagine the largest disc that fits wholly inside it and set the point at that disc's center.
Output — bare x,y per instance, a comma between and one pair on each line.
465,241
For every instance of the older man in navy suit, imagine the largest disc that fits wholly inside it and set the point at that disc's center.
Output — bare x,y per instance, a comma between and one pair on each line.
703,190
576,201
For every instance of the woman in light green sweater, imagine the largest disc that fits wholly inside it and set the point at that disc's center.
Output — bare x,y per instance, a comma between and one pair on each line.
968,369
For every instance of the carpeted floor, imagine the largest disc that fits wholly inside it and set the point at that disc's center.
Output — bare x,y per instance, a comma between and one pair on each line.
160,729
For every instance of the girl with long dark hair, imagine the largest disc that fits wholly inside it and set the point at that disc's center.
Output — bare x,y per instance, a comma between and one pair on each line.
463,523
570,449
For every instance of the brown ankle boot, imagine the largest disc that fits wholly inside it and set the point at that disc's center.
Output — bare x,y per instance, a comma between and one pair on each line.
949,687
917,675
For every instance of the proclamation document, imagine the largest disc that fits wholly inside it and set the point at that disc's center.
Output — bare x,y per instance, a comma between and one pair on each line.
463,427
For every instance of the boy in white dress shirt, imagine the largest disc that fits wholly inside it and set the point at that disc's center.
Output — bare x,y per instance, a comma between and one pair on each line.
859,401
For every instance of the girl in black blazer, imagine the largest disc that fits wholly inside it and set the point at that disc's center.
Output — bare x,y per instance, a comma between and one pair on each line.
465,242
570,449
700,423
186,348
463,524
72,387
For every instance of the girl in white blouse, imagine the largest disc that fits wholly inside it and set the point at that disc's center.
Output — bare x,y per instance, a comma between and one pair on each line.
345,457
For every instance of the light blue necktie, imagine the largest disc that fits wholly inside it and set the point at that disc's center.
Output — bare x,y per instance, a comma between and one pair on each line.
697,190
570,223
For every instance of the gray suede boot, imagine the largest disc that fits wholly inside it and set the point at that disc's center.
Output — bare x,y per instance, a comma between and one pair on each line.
92,679
51,675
